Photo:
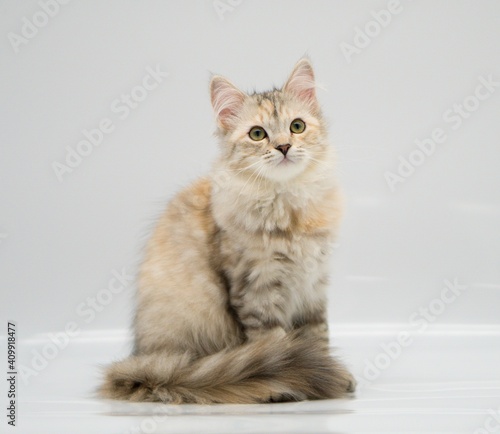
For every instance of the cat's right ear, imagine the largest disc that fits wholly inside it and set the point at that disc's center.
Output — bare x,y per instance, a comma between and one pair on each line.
227,101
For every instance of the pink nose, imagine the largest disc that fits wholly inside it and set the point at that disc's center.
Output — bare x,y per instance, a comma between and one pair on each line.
283,148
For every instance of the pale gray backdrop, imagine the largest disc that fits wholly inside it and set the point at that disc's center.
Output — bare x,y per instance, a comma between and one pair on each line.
62,239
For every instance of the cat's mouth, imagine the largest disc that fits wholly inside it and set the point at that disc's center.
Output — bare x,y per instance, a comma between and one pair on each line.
285,168
286,161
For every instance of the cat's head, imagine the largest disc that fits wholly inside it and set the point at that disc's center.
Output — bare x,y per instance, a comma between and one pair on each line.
277,134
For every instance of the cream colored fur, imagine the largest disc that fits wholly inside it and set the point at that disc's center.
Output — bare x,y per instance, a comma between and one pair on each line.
231,305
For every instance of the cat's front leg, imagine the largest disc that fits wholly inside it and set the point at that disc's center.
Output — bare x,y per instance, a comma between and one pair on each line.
261,308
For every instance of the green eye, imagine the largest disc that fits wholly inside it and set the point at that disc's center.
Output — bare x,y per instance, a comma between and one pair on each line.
257,133
297,126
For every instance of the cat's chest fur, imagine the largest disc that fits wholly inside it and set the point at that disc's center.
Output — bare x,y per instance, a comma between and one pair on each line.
274,249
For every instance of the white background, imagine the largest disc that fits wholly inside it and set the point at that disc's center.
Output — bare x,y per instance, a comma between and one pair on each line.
61,241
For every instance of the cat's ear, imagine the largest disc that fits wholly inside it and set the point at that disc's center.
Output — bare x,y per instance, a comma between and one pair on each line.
227,100
301,83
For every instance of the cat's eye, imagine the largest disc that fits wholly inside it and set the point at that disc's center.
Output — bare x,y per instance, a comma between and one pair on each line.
257,133
297,126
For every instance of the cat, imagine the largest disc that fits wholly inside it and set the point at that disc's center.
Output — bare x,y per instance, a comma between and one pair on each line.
231,303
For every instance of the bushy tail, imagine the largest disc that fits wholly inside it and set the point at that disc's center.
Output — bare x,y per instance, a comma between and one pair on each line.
280,369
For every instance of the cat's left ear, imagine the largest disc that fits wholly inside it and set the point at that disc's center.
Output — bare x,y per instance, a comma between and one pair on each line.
227,101
301,83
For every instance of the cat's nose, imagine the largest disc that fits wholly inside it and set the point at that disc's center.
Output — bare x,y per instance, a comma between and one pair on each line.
283,148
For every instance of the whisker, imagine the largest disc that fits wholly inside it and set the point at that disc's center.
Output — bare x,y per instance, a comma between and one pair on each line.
237,171
259,177
255,174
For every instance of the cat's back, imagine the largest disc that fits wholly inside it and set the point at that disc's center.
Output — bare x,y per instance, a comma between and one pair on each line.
186,217
178,284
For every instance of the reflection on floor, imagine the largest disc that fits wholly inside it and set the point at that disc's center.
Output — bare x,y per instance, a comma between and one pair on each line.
444,380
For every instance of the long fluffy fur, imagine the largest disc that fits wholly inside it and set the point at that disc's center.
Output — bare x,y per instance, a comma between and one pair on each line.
291,367
231,301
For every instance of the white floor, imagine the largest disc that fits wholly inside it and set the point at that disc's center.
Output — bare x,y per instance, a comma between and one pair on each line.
444,380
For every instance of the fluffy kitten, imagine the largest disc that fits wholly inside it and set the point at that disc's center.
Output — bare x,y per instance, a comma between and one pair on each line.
231,300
